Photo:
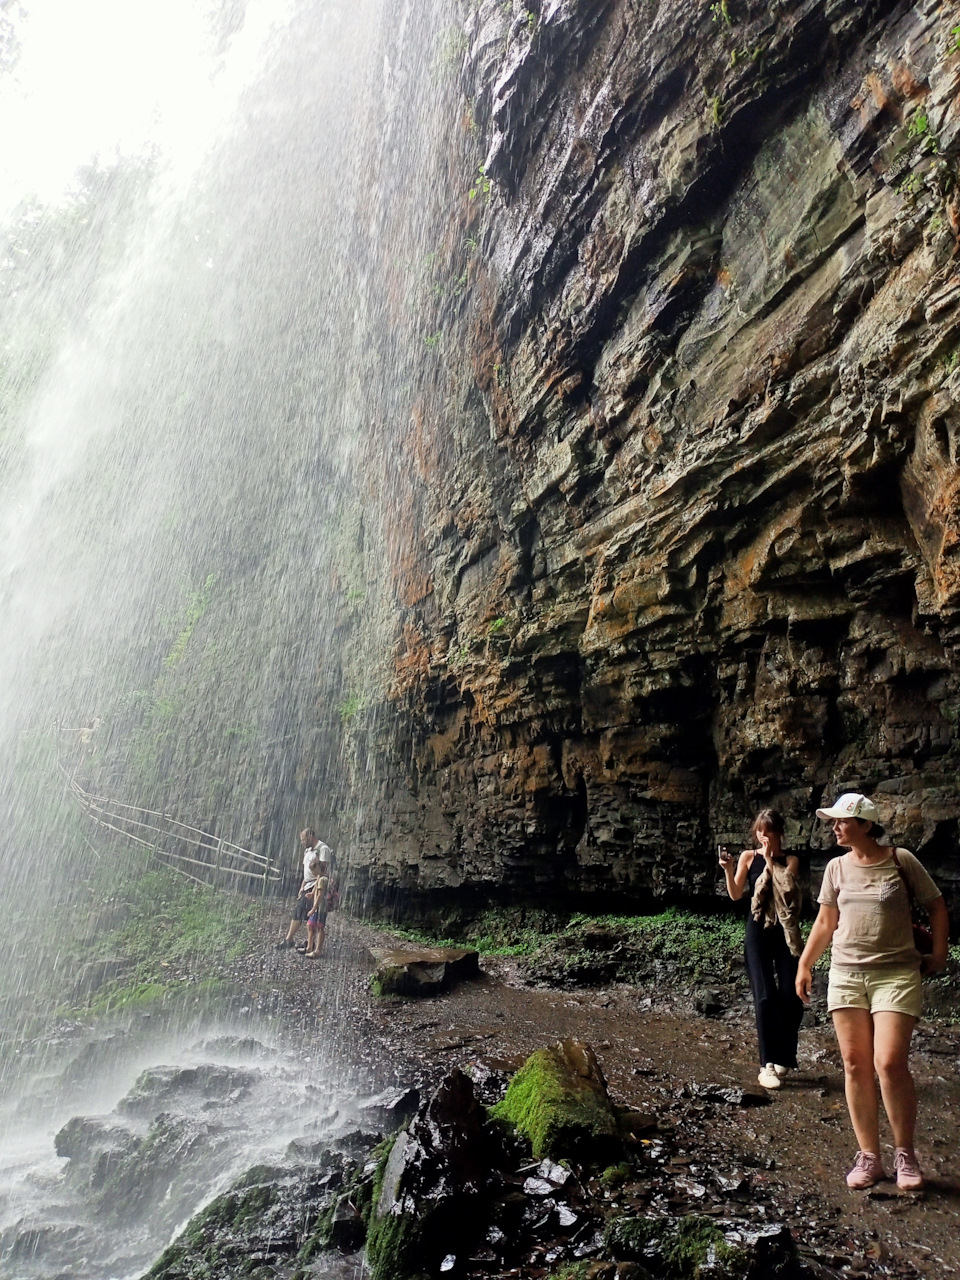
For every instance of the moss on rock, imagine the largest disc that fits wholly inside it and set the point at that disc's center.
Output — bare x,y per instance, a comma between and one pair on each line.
677,1248
558,1101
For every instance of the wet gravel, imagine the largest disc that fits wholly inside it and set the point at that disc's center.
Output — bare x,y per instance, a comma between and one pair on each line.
721,1146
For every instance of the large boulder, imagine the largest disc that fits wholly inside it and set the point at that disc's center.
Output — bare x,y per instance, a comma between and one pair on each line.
96,1148
434,1185
422,971
269,1218
165,1088
558,1101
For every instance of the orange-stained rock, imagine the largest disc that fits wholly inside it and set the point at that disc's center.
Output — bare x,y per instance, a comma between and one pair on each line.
681,532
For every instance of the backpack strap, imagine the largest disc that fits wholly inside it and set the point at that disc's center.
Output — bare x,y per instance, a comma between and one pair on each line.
903,876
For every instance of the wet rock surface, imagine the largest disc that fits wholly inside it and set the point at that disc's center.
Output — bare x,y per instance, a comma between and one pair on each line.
197,1086
701,1140
421,971
272,1221
750,1178
681,535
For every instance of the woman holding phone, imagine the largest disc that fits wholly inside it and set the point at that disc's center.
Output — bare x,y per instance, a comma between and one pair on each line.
771,966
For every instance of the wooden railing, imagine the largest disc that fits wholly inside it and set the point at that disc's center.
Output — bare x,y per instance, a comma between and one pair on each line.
176,844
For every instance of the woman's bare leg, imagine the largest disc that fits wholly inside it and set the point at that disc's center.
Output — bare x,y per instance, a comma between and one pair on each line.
891,1046
855,1036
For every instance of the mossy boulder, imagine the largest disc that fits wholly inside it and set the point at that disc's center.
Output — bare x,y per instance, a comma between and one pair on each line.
267,1218
695,1248
558,1101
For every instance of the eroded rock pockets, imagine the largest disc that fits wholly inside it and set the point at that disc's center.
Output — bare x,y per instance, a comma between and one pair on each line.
682,527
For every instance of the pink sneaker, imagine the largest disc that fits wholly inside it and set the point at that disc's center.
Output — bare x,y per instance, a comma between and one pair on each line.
909,1177
866,1170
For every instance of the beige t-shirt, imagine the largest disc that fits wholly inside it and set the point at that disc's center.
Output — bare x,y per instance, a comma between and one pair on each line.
875,926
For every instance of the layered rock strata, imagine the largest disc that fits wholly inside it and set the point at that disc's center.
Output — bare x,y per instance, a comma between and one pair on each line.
680,537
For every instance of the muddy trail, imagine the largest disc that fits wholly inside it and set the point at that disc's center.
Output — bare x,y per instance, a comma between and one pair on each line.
721,1143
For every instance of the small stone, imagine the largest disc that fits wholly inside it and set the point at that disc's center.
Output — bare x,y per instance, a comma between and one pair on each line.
555,1173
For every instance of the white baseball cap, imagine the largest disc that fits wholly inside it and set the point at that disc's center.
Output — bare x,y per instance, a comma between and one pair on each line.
852,805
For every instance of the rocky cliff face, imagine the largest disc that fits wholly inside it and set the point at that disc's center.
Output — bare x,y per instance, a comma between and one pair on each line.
679,536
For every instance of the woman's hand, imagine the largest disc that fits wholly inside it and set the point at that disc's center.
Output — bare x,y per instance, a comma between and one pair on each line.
763,837
936,962
929,965
820,937
804,984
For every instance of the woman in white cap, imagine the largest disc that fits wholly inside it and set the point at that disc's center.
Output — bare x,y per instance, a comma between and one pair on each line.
874,987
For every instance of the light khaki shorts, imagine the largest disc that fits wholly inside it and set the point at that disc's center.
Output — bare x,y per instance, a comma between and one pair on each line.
892,990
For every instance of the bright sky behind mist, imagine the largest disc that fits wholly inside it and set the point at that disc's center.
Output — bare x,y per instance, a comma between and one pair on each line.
98,78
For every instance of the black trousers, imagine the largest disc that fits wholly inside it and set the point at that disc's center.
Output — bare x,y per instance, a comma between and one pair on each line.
773,974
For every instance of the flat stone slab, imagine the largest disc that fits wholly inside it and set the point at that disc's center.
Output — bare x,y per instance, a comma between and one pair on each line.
422,971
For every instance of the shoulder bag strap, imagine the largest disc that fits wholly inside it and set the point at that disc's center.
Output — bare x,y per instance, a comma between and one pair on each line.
903,876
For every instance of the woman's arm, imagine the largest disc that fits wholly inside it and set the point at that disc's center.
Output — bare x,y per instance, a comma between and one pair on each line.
936,962
824,927
737,880
793,863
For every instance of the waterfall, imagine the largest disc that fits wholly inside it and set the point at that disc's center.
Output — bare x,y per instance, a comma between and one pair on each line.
209,336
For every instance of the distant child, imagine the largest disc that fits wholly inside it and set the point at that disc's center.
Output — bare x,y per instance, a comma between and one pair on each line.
317,915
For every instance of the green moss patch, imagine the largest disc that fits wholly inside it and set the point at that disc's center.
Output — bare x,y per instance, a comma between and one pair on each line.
676,1248
586,950
392,1238
560,1112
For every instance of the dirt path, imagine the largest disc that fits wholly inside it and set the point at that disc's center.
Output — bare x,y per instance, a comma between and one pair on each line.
655,1056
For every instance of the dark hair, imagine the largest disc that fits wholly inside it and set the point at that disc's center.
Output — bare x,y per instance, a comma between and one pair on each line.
771,820
874,828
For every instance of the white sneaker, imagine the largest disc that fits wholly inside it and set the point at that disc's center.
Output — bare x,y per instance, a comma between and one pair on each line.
781,1071
768,1077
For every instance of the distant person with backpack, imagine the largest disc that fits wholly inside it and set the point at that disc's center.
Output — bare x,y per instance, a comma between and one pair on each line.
315,854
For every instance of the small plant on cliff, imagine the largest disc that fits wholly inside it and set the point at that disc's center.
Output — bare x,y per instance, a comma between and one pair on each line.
911,185
955,33
481,184
197,605
496,626
452,47
433,340
349,707
720,12
919,130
